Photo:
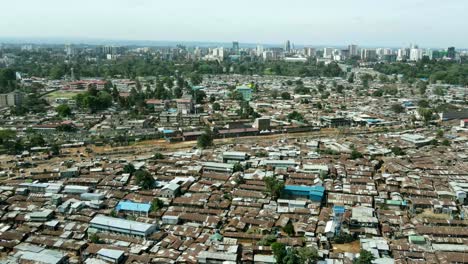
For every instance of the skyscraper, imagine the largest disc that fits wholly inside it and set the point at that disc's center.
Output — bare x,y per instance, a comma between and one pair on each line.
353,50
309,52
368,54
327,53
416,54
235,47
451,53
287,46
259,50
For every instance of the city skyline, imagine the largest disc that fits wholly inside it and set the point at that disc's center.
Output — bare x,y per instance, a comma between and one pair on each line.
390,24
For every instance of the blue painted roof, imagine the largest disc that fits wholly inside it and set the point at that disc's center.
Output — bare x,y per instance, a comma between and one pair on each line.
338,209
319,189
131,206
168,131
371,120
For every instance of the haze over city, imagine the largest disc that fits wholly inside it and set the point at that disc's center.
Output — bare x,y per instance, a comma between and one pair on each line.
233,132
393,23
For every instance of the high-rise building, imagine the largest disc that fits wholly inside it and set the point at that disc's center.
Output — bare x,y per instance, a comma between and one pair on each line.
11,99
403,54
429,54
451,53
309,52
353,50
328,53
219,53
368,54
287,46
235,47
416,54
259,50
70,50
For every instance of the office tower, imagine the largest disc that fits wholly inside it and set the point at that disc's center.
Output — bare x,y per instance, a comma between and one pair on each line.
235,47
287,46
428,53
387,51
70,50
353,50
309,52
415,54
368,54
403,54
219,52
11,99
451,53
327,53
259,50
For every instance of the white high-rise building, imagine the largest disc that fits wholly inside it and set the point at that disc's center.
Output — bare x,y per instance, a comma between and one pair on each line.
403,54
328,53
387,51
309,52
428,53
218,52
353,50
287,46
259,50
416,54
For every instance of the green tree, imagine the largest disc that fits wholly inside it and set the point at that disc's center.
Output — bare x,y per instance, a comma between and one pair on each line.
291,257
144,179
196,79
279,251
63,110
6,135
178,92
426,114
199,96
238,167
216,106
343,238
307,255
365,257
273,186
397,108
236,95
129,168
55,149
356,154
267,240
205,140
156,204
398,151
296,116
94,238
36,140
285,96
289,228
351,78
423,103
439,91
445,142
274,93
422,87
212,98
158,156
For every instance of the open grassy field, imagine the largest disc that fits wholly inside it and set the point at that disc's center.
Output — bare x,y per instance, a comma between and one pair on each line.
61,94
353,247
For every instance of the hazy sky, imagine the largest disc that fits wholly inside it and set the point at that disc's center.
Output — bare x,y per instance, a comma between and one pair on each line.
429,23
